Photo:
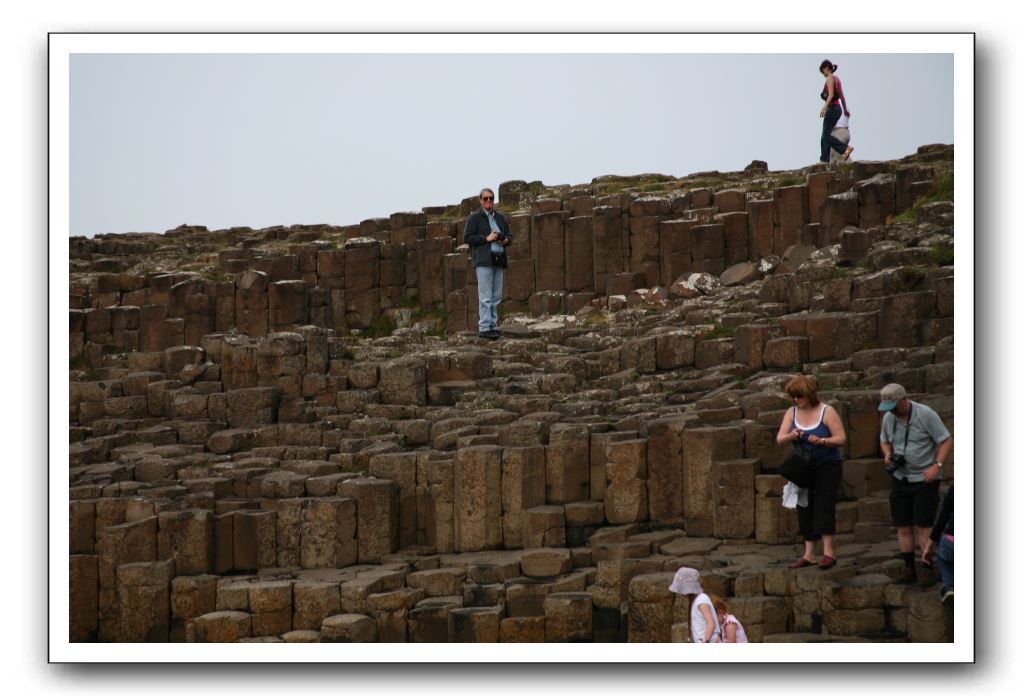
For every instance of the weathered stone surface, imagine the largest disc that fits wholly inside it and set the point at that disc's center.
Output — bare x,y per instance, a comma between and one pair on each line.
543,525
853,622
477,496
740,274
701,447
522,629
248,408
187,539
143,595
474,625
523,477
568,617
437,582
403,381
222,627
734,514
544,563
270,603
568,464
376,504
254,539
329,534
402,469
348,628
860,592
83,600
313,602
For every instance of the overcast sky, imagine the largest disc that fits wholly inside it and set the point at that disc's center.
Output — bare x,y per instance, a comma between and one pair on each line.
221,140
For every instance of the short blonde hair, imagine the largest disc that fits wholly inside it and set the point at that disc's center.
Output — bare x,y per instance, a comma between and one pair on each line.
805,386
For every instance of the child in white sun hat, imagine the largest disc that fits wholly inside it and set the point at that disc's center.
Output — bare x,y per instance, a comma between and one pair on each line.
703,620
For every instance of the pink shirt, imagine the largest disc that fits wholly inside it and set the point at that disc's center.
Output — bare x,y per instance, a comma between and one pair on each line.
740,632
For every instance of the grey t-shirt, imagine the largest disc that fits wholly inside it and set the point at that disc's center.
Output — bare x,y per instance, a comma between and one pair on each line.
926,432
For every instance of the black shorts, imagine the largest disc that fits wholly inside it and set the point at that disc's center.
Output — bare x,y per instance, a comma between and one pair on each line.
914,504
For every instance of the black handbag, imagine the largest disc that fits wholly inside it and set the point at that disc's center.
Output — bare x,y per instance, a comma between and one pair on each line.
798,467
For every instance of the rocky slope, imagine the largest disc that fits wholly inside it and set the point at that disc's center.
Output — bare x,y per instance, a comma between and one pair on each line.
294,433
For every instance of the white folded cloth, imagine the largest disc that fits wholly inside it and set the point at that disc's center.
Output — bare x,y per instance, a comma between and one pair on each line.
792,495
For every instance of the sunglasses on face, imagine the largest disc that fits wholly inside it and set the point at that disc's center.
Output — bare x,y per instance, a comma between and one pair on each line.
487,198
796,395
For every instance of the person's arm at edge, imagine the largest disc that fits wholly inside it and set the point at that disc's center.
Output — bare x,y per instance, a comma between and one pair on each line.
944,447
943,515
507,231
471,234
841,98
705,610
785,434
834,423
886,446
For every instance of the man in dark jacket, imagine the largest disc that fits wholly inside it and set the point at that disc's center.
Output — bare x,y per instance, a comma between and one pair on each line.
487,234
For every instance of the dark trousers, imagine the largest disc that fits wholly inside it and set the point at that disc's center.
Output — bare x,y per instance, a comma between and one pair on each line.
818,517
828,141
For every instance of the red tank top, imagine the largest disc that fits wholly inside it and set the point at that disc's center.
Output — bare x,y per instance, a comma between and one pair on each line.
838,91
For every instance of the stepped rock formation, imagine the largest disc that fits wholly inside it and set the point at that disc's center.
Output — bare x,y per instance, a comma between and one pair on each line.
293,434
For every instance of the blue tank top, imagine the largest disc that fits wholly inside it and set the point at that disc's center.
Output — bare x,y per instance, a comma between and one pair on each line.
821,453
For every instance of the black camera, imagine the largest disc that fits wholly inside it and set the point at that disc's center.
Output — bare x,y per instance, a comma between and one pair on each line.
895,462
501,236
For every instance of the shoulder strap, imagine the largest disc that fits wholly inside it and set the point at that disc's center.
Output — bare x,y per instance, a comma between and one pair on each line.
909,422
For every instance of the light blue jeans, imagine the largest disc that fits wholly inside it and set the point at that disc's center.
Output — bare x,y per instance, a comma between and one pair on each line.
490,285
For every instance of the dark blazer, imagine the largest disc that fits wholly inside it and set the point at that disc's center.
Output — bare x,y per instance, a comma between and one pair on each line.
477,228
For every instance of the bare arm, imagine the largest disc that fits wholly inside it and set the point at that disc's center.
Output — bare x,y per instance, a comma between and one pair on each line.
705,610
785,434
834,423
886,447
886,450
729,636
943,449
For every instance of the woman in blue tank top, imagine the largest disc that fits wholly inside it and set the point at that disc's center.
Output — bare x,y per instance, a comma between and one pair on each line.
816,426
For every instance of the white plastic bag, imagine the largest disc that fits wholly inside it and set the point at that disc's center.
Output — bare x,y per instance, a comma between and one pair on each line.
792,495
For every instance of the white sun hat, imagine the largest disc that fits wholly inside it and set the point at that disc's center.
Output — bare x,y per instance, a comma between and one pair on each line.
687,581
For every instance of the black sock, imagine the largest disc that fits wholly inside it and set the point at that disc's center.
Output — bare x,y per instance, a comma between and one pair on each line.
908,557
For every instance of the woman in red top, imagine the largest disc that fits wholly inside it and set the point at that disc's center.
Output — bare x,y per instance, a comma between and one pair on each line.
831,112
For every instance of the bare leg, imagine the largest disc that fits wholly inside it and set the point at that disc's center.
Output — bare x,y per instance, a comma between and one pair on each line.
809,550
905,535
829,544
